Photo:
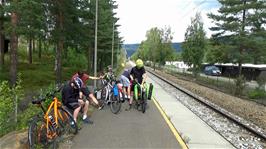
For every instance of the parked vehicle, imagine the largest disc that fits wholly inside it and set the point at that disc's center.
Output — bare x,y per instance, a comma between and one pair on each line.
212,70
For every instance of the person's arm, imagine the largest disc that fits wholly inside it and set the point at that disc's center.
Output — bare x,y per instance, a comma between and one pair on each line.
131,77
131,74
144,76
95,78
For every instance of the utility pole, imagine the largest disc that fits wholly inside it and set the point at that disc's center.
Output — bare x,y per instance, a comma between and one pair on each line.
95,43
242,33
113,36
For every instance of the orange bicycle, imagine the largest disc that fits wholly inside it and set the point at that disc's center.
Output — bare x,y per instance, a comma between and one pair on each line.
47,127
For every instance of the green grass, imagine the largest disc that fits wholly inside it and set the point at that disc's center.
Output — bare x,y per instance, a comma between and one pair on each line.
38,75
224,86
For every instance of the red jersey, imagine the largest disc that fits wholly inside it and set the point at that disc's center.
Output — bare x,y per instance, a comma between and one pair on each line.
84,78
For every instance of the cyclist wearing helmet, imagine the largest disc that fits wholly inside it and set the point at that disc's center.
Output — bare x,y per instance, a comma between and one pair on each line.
72,98
138,74
84,89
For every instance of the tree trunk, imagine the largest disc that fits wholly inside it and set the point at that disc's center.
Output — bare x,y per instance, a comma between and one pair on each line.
2,46
2,38
14,48
40,49
90,60
33,45
60,46
30,50
240,62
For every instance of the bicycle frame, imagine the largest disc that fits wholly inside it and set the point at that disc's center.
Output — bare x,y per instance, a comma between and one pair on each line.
55,104
108,87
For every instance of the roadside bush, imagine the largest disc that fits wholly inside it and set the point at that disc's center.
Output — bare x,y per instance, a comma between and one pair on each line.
6,108
261,80
257,94
240,84
9,98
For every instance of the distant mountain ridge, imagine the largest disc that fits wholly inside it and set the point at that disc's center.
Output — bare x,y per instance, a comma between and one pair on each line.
132,48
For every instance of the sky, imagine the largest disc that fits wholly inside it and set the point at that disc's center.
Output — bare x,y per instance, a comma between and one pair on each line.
138,16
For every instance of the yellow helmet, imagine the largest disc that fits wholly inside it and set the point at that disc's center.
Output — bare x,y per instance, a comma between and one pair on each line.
122,64
139,63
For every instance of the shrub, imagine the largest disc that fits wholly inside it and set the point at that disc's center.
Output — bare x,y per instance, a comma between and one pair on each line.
257,94
261,80
9,98
240,84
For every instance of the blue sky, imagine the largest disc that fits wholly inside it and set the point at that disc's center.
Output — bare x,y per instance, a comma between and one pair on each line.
138,16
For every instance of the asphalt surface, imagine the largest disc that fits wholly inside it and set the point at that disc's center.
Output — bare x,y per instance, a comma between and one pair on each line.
127,129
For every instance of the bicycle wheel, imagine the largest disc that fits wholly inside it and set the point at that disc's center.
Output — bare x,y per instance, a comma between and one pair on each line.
104,94
115,104
37,134
67,125
144,102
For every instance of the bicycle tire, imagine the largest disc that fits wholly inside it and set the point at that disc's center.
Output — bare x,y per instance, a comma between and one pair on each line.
104,94
115,104
66,122
37,134
144,102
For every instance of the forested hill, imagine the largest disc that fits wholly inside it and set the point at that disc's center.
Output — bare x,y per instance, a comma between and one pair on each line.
131,48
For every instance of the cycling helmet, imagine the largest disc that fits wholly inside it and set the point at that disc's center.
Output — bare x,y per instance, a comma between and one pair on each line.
110,69
78,82
139,63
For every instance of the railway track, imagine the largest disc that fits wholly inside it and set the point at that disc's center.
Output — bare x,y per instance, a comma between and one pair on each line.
239,132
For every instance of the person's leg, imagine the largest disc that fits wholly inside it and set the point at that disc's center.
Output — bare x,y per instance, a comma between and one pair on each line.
131,90
75,113
92,97
75,106
85,106
127,85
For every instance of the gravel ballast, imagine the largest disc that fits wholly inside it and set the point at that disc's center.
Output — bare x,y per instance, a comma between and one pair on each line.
249,110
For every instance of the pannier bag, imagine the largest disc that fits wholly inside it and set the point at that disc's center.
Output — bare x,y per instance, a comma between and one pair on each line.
149,91
115,90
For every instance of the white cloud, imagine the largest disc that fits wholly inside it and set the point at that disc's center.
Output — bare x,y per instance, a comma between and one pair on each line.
138,16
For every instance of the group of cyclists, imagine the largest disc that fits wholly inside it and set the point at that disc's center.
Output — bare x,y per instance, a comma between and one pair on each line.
76,90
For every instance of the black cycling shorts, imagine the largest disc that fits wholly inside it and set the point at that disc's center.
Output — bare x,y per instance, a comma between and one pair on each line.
72,105
86,91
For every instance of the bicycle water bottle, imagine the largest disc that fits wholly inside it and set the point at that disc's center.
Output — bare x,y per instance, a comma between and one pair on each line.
52,121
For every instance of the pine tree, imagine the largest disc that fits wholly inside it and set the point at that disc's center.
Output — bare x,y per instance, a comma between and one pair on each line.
235,26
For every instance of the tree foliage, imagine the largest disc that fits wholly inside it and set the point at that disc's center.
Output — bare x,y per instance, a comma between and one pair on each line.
195,44
65,25
157,47
239,32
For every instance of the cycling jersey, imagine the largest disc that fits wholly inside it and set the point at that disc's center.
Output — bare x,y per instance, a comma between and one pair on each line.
69,94
126,73
137,73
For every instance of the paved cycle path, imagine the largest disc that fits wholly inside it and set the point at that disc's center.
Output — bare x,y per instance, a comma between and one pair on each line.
128,129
